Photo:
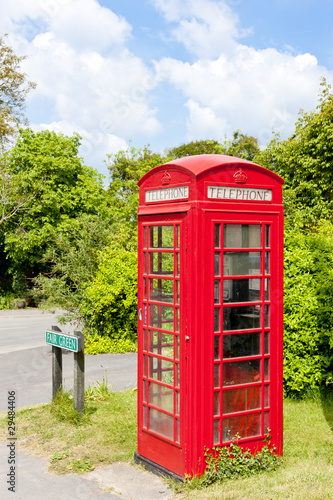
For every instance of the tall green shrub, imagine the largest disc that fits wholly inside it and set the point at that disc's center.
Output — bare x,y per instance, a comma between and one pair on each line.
308,305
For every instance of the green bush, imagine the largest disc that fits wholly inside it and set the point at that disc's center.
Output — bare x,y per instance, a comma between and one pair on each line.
308,306
109,308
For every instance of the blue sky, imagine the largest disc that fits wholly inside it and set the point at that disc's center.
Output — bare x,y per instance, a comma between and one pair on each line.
164,72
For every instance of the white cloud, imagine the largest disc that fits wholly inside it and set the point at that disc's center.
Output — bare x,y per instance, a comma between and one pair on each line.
231,85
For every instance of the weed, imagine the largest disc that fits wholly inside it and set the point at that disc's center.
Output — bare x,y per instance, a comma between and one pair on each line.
98,391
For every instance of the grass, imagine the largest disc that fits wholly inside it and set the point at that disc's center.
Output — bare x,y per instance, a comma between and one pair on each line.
106,433
74,442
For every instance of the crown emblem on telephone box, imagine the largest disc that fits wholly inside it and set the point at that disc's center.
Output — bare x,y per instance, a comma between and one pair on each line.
240,177
166,178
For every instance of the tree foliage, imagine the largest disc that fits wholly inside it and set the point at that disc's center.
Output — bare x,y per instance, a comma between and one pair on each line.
14,88
305,161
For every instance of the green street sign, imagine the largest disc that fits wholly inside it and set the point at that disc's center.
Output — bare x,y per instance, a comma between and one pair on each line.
63,341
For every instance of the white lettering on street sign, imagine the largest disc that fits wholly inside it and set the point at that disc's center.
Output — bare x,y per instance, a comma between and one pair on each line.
63,341
239,193
167,194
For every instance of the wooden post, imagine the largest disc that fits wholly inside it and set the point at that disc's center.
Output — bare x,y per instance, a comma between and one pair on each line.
79,375
56,366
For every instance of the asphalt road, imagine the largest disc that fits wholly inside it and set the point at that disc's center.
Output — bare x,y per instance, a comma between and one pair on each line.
26,360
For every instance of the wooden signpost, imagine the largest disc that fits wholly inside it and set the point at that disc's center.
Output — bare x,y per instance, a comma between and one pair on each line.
74,343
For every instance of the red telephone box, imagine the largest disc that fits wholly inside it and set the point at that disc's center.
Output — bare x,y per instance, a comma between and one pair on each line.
209,310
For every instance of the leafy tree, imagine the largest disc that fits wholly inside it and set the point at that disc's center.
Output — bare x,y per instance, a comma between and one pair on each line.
304,161
14,88
66,191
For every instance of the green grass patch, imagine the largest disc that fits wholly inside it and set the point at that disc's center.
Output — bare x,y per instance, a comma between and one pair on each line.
74,442
106,433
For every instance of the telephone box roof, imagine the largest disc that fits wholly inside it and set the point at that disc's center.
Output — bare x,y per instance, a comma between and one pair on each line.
198,165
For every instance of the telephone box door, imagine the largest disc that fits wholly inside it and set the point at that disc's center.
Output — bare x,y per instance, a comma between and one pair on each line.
161,370
246,274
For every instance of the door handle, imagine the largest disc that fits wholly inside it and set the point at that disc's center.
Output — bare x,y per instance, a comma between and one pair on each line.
140,314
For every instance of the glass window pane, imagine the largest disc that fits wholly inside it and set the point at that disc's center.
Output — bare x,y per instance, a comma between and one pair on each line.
241,318
161,370
177,292
217,292
267,281
266,342
177,403
217,377
217,266
241,345
216,403
177,264
161,396
241,290
267,322
145,340
241,263
145,237
216,320
145,263
145,288
177,430
243,425
145,416
161,343
145,391
241,372
216,431
161,423
266,369
161,263
242,399
267,236
161,290
177,375
161,237
266,396
266,422
242,235
217,235
217,347
161,317
267,263
178,237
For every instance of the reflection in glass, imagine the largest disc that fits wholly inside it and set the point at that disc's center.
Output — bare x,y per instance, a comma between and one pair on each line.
145,262
266,396
267,236
216,347
217,238
177,236
267,288
177,347
267,308
177,319
177,264
161,263
161,316
177,375
177,292
267,263
161,370
217,271
216,403
241,317
266,422
145,237
161,396
161,343
241,345
266,342
244,425
241,263
242,236
242,290
242,399
145,288
217,375
161,290
217,292
161,236
266,369
241,372
216,320
161,423
216,431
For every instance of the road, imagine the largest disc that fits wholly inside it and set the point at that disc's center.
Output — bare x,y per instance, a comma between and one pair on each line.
26,361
